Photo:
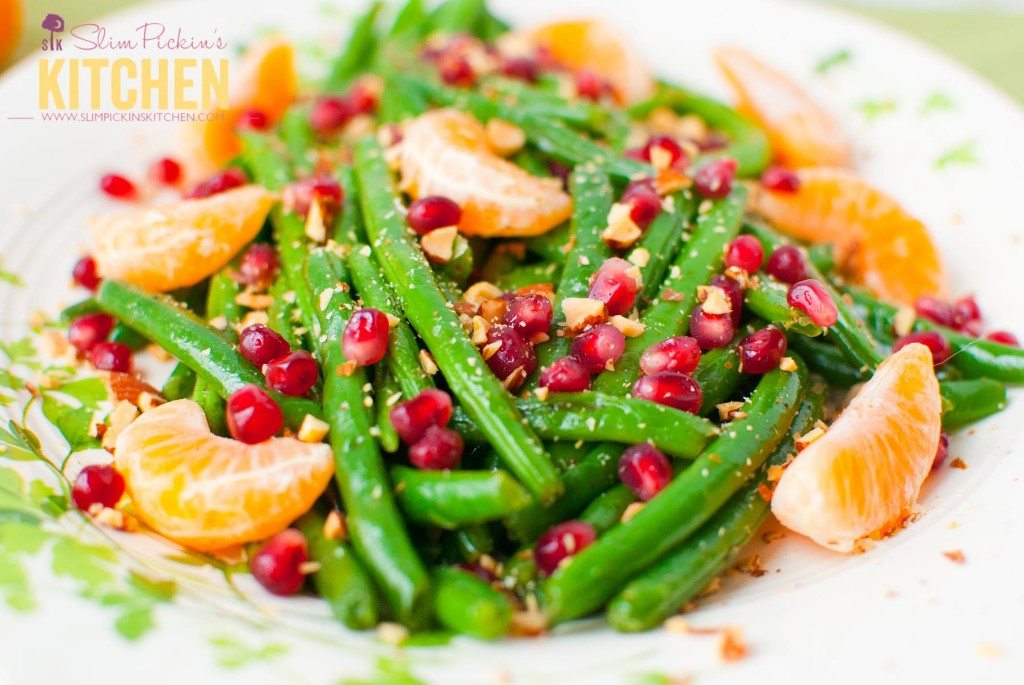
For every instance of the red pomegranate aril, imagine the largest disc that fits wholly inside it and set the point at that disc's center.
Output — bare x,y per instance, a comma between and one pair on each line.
735,292
362,97
229,178
513,355
111,356
614,286
711,330
1003,338
166,171
559,171
298,196
85,273
680,354
811,298
636,153
966,311
252,415
455,70
258,266
787,264
439,449
521,68
253,120
479,571
933,340
645,204
713,141
644,470
565,374
97,484
87,331
762,350
599,348
934,309
117,186
714,179
293,374
590,85
677,156
671,389
432,212
942,451
365,340
529,314
412,418
561,542
745,252
278,564
780,180
260,345
329,113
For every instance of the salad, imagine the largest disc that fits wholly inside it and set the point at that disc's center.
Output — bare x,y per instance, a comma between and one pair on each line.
490,329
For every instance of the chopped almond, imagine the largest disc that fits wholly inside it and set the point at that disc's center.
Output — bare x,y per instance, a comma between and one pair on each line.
632,510
545,289
504,138
670,180
480,328
307,568
903,322
254,300
715,299
494,310
731,646
640,257
124,413
490,349
439,244
427,363
807,438
335,527
392,320
316,230
313,429
113,518
660,157
787,364
541,393
622,231
727,410
581,312
347,368
956,556
481,291
628,327
252,317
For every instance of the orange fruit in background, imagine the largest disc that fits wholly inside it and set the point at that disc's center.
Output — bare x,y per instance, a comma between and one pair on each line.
878,242
862,477
594,45
801,132
207,492
445,152
177,245
11,26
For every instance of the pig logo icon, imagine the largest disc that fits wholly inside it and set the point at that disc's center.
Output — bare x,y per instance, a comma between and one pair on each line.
54,23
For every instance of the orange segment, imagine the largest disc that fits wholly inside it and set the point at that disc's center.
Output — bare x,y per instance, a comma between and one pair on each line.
207,492
879,243
862,477
445,152
594,45
10,29
800,131
177,245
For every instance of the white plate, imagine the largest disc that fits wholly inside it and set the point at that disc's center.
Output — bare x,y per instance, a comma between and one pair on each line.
902,612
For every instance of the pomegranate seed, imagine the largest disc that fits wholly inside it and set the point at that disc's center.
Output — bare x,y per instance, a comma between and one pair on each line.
111,356
715,178
455,70
165,170
810,297
260,345
636,153
439,449
935,310
412,418
522,68
745,252
253,120
614,286
362,98
714,140
680,354
293,374
787,264
87,331
644,470
117,186
365,340
85,273
780,180
514,353
942,451
933,340
432,212
560,171
298,196
565,374
229,178
671,389
259,266
966,311
278,563
97,484
252,415
735,293
590,85
762,350
561,542
1003,338
599,348
711,330
644,202
972,328
677,156
329,113
529,314
479,571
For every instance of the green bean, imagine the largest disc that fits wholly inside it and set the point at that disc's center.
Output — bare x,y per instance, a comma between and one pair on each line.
80,308
468,543
467,604
829,361
358,53
299,138
580,114
348,227
452,499
605,512
823,257
718,372
533,162
457,16
212,404
967,401
179,383
398,104
223,311
526,275
378,534
127,335
480,393
766,297
693,266
662,241
410,20
385,387
554,245
490,27
599,571
596,416
194,343
340,579
281,313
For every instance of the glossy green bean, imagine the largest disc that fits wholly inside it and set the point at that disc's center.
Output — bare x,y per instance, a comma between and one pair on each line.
466,604
766,298
452,499
967,401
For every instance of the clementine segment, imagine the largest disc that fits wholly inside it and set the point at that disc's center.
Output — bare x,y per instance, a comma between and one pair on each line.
207,492
861,479
10,29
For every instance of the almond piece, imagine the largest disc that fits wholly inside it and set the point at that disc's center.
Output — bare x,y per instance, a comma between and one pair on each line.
628,327
313,429
439,244
715,299
581,312
480,291
621,232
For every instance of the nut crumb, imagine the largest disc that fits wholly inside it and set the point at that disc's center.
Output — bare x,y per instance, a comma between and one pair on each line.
427,363
731,646
958,463
313,429
787,364
956,556
335,527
